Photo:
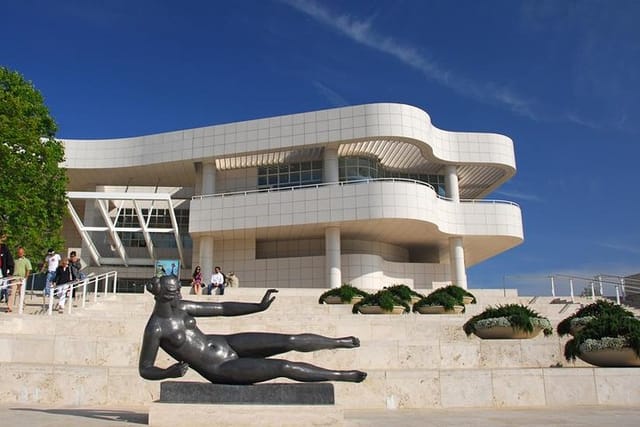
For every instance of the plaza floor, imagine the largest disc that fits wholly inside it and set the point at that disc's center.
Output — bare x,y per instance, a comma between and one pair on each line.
587,416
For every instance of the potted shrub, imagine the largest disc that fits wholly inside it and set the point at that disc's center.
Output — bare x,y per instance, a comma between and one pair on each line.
607,340
439,303
405,293
511,321
462,295
577,321
382,302
345,294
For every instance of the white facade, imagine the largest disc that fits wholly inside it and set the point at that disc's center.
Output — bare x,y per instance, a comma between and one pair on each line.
372,195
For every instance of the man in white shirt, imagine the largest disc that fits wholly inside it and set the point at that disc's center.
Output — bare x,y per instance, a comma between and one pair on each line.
217,281
51,262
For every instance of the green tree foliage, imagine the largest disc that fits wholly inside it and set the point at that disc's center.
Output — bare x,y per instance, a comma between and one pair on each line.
32,185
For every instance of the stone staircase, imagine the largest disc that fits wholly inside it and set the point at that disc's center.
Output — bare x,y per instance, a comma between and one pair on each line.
89,358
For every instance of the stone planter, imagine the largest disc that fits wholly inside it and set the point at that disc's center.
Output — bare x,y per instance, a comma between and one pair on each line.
336,300
506,333
621,358
439,309
376,309
467,300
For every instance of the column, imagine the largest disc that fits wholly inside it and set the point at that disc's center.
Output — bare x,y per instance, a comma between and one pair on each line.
456,257
206,257
456,249
332,256
206,242
208,178
452,188
331,170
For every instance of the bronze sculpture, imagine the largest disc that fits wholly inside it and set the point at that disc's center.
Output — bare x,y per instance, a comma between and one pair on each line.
227,359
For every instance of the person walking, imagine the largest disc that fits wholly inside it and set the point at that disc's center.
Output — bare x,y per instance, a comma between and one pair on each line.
61,280
51,263
21,269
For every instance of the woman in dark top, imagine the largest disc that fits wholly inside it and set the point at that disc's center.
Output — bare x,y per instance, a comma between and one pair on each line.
196,281
227,359
63,277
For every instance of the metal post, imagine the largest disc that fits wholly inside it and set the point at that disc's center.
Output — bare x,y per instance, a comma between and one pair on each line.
593,292
617,295
95,289
106,284
51,290
70,297
624,293
571,286
84,292
600,282
115,281
553,287
23,290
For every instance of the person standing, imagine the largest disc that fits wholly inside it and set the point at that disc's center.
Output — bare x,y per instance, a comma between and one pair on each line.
51,263
62,278
21,268
6,266
76,265
217,281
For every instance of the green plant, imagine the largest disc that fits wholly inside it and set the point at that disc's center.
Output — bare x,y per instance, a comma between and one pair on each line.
404,292
383,298
515,315
438,298
455,291
346,292
613,330
586,313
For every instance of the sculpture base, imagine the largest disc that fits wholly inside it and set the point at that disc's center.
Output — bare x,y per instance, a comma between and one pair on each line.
258,394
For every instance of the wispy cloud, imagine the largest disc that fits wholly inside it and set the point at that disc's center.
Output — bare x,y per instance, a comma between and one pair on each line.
362,32
520,195
622,248
334,97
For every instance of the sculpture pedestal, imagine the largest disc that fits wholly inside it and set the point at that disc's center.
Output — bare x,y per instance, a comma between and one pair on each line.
279,404
257,394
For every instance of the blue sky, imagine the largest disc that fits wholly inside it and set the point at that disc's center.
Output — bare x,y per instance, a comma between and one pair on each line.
561,78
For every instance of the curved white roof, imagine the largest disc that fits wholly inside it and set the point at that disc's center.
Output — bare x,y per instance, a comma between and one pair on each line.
400,136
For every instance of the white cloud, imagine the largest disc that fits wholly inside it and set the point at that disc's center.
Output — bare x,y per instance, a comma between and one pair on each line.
519,195
334,97
363,33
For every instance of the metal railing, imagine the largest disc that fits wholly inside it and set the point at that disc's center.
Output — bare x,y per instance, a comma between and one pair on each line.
106,279
603,285
343,183
10,283
101,283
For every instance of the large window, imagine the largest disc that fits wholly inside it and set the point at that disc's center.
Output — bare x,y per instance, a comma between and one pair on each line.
356,168
290,174
160,218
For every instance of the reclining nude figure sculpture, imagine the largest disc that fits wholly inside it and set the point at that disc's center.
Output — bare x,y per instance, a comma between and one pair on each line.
240,358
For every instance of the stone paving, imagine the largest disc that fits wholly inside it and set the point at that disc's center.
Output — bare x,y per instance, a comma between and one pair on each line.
586,416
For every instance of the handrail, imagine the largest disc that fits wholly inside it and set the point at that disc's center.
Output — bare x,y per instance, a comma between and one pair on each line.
12,282
342,183
84,283
618,284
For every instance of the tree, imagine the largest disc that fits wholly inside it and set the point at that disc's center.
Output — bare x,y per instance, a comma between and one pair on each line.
32,184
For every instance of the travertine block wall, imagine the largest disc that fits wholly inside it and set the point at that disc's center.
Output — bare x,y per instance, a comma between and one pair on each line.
413,361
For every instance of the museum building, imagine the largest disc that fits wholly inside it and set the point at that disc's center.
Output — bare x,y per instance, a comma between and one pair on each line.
371,195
